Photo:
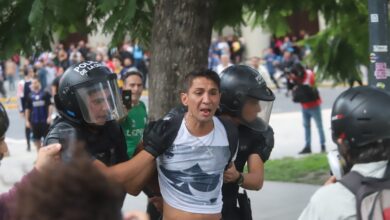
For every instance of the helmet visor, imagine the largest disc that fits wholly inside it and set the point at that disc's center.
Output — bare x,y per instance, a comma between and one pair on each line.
266,108
255,114
100,102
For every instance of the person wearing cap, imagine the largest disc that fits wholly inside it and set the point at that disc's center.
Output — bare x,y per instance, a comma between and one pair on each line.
135,121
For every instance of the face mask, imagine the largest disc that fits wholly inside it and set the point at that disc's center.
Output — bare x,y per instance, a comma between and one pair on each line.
337,164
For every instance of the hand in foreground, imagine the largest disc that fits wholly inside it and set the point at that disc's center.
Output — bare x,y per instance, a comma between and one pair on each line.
47,156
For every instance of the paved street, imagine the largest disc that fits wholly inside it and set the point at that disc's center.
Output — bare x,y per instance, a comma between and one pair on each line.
275,201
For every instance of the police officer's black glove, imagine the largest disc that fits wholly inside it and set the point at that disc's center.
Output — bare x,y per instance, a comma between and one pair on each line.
159,136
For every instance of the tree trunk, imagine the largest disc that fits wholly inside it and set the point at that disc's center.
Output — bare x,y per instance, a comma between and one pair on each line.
180,40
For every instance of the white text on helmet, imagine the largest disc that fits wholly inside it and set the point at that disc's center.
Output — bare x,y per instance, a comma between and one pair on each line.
84,67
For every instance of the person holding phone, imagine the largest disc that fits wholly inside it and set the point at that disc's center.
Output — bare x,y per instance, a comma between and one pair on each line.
134,123
361,129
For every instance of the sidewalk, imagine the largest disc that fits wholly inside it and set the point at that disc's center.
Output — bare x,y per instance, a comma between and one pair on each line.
290,137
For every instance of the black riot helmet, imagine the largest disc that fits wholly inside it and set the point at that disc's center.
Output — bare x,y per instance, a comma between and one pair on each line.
4,121
361,116
238,82
88,93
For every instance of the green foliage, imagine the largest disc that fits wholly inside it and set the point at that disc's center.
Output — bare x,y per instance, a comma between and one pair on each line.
29,25
311,169
338,50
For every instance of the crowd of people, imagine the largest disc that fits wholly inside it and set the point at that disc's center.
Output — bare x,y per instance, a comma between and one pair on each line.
190,163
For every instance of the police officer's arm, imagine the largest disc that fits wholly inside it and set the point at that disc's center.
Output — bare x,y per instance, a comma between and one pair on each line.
260,152
253,180
263,145
132,174
157,137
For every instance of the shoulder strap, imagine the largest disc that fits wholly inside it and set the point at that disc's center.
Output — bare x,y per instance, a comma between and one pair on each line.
232,135
362,186
353,181
175,117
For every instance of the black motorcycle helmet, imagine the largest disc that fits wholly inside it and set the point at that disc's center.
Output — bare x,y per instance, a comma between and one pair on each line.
238,82
360,116
88,93
4,121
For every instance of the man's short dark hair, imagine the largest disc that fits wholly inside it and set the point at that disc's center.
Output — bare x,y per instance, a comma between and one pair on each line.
207,73
72,191
372,152
132,72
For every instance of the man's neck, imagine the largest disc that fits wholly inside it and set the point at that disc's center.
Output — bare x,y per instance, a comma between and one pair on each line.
198,128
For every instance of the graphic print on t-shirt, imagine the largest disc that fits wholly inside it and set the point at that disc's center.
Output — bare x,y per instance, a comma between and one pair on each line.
191,171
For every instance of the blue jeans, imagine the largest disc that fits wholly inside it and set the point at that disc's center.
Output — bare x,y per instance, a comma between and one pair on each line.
307,115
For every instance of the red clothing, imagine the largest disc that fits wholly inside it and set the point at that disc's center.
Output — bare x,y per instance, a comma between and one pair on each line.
309,79
10,196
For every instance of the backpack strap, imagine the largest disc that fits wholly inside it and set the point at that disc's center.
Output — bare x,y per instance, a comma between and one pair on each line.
362,186
175,117
352,181
232,135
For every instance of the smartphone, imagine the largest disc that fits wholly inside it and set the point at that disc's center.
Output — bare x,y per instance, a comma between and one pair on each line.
67,139
336,164
126,98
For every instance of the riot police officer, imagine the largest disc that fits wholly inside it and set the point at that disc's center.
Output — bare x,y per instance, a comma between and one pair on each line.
88,103
89,106
247,101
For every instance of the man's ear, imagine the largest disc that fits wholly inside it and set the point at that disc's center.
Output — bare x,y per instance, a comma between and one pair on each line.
184,98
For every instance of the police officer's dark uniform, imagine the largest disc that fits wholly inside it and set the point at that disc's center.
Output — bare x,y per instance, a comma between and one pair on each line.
239,82
102,135
4,124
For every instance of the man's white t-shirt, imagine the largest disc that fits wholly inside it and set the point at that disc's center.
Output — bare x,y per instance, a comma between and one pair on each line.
190,172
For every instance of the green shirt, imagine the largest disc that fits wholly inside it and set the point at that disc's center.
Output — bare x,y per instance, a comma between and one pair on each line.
133,127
